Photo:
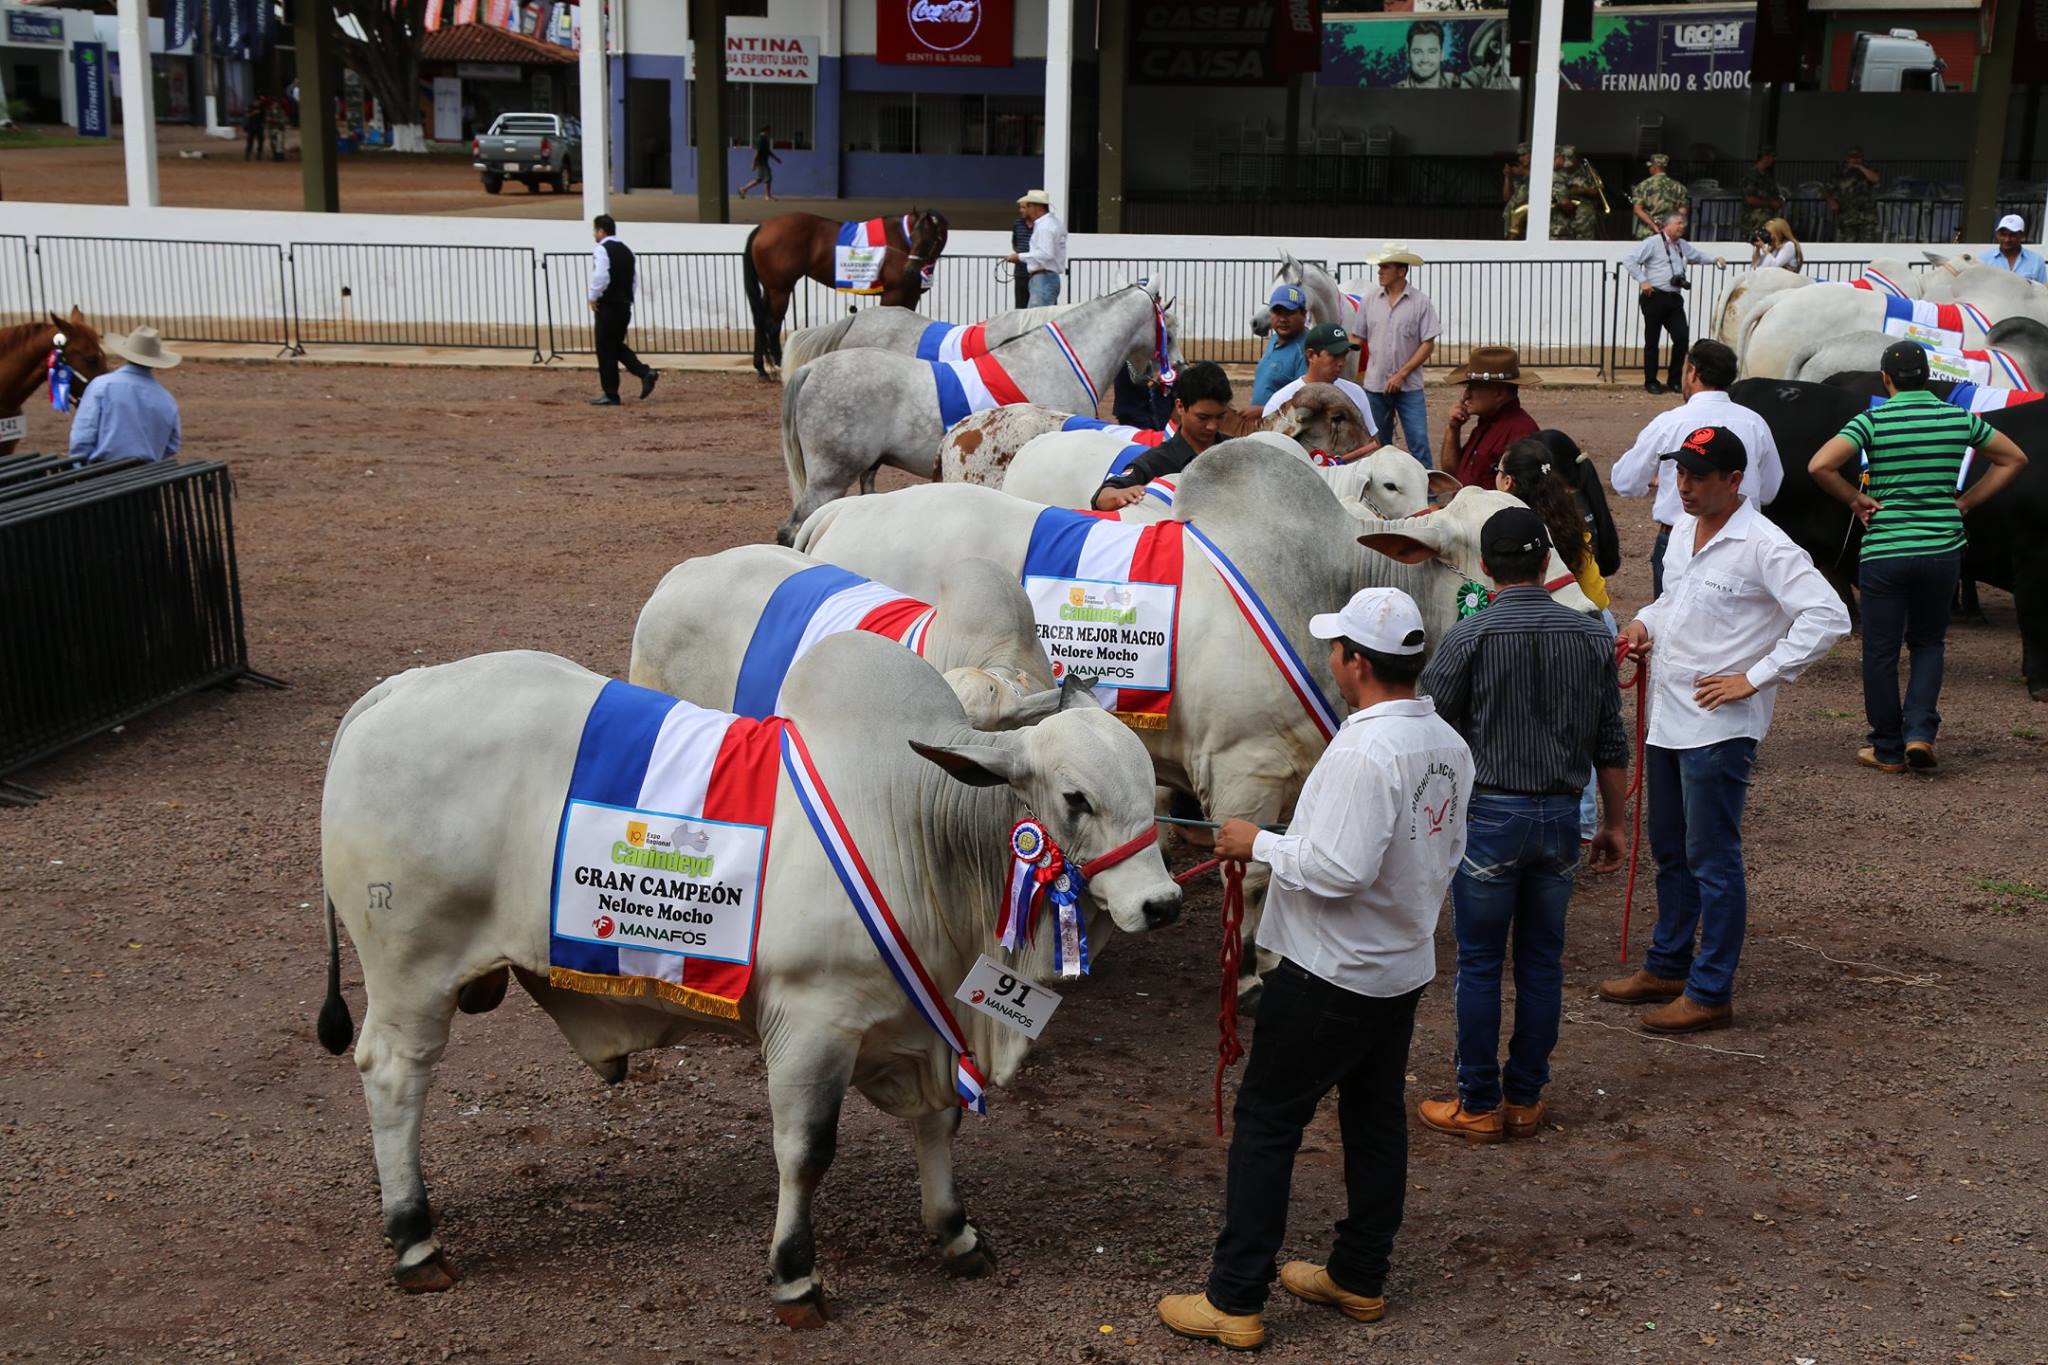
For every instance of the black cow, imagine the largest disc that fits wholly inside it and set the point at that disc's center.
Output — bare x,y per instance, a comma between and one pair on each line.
2008,535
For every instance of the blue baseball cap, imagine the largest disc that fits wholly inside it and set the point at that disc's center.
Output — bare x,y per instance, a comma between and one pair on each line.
1288,296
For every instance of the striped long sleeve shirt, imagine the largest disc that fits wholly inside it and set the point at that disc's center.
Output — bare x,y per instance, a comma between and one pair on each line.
1531,686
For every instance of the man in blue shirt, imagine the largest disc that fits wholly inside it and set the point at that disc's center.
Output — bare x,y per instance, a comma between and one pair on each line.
2012,253
1286,357
128,415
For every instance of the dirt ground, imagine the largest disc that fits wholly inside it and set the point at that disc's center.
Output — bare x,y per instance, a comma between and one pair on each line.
1854,1173
379,182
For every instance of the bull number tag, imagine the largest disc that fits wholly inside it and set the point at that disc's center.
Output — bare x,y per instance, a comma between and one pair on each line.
1003,995
14,428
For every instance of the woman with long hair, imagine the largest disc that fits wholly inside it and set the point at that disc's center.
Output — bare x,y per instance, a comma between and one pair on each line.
1584,477
1775,245
1532,473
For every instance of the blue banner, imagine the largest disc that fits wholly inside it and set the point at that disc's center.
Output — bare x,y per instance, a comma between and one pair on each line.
262,29
235,41
89,60
181,23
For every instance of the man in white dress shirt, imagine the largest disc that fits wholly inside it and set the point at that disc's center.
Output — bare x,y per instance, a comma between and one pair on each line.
1358,880
1326,347
1045,260
1709,370
1743,611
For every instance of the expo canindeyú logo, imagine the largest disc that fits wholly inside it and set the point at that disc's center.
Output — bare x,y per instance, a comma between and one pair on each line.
945,25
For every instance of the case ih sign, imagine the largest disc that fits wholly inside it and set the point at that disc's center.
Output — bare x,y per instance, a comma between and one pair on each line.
944,32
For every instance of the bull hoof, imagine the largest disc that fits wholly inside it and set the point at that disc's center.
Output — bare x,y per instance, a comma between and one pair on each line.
435,1275
976,1263
806,1314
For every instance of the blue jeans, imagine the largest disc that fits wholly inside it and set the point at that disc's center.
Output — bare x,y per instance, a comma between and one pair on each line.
1589,799
1521,856
1044,290
1663,543
1409,406
1905,599
1696,798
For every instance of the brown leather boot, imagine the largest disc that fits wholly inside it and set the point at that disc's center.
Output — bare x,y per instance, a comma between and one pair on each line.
1192,1315
1867,756
1920,755
1311,1283
1687,1015
1640,988
1450,1116
1521,1120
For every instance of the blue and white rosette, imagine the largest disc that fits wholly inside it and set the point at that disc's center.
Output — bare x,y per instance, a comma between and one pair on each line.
1070,945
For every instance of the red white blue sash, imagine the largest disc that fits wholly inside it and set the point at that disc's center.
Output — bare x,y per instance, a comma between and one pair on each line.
1942,317
952,341
1143,436
970,386
1299,680
1066,348
1098,547
876,917
806,607
870,234
1878,281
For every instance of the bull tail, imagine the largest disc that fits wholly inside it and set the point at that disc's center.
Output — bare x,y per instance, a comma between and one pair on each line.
815,525
767,339
808,343
336,1027
792,448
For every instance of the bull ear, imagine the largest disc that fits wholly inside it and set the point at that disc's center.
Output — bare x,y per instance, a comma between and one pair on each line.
1442,487
1077,690
978,765
1410,541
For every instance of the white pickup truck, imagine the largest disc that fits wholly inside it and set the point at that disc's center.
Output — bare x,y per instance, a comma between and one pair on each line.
530,148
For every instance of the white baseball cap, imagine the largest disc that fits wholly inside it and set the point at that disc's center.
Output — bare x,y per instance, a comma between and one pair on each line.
1382,619
2012,222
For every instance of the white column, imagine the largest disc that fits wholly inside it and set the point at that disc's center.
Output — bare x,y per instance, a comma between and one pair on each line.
138,105
1059,99
1543,120
594,72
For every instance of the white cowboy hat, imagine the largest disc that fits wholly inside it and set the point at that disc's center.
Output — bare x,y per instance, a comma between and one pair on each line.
145,348
1394,253
1036,197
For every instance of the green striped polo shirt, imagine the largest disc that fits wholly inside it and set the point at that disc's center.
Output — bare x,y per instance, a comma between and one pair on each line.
1915,444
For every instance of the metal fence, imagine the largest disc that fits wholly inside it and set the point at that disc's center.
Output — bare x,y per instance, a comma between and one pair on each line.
1556,313
1212,302
387,294
118,593
188,291
17,282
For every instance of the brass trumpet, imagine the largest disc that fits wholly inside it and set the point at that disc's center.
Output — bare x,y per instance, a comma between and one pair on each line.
1601,186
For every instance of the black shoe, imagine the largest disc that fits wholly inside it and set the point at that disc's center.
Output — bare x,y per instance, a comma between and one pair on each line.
647,382
1653,387
606,401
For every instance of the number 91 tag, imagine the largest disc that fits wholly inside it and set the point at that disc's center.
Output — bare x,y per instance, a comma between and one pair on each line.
996,991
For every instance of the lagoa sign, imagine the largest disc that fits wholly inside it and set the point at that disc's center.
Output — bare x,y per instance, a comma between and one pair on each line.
944,32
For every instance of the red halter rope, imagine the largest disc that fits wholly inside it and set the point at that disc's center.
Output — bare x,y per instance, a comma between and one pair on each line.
1229,956
1638,680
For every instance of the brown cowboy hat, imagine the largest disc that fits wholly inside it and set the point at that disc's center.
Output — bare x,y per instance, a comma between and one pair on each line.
1494,364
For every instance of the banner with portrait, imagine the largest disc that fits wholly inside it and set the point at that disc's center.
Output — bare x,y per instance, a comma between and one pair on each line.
1678,48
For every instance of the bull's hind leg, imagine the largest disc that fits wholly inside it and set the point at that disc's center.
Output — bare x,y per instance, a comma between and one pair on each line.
806,1084
396,1056
967,1253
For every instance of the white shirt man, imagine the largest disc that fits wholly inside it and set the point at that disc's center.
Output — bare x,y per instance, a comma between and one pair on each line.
1707,404
1045,260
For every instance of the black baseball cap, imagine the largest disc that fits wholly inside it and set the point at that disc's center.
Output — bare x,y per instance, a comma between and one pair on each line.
1711,450
1905,360
1513,531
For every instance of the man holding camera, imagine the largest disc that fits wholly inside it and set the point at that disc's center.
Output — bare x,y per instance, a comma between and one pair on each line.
1658,267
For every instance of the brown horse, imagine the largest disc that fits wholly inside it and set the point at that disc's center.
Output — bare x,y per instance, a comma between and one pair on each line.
25,355
791,246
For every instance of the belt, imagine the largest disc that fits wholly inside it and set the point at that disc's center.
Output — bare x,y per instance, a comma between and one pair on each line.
1664,527
1035,273
1482,789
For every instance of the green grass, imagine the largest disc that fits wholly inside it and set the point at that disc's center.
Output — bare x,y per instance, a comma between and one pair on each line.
2025,732
2023,891
22,138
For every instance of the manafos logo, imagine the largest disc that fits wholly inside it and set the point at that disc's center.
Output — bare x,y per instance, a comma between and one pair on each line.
945,25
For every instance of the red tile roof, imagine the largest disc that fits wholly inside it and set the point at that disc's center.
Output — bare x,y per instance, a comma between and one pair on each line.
482,43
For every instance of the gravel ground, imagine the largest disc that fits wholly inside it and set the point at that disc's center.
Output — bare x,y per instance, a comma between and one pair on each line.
1853,1173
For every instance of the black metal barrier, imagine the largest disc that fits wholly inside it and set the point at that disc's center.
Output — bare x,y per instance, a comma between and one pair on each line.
386,294
189,291
118,593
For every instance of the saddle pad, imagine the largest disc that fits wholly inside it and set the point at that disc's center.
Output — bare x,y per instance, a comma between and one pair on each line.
970,386
1106,597
806,607
858,256
952,341
662,851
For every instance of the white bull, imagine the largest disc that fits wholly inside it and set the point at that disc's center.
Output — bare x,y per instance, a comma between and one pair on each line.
693,634
1796,322
1237,738
2024,364
445,789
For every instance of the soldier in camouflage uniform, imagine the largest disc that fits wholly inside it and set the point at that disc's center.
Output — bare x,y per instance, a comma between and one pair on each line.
1853,197
1763,198
1657,196
1575,204
1514,184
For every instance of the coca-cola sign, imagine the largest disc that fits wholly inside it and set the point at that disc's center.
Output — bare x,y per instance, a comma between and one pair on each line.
944,32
